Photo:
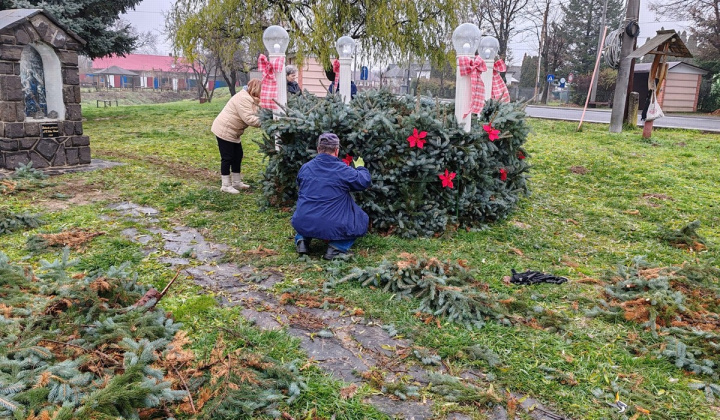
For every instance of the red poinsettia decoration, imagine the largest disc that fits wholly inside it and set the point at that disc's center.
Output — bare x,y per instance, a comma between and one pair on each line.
493,134
348,159
417,138
520,155
447,178
503,174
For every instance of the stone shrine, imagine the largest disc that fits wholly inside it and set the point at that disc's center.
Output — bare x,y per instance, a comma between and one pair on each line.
40,116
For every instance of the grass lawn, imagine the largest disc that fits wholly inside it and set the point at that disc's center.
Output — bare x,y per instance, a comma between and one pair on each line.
598,200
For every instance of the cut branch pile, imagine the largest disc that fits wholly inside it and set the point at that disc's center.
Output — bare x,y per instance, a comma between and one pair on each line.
10,221
685,237
74,346
678,304
445,289
71,346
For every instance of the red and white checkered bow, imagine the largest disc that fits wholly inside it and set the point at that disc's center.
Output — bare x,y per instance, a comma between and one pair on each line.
499,88
269,89
474,67
336,70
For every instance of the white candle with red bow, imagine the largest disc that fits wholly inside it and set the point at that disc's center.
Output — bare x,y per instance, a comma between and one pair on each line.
276,40
466,39
488,50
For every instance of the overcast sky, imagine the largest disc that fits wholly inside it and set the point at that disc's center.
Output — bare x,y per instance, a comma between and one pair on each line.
148,16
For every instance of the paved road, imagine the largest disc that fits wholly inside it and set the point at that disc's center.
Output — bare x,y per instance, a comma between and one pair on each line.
603,116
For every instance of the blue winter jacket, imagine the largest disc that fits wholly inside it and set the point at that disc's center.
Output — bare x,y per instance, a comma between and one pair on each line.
325,209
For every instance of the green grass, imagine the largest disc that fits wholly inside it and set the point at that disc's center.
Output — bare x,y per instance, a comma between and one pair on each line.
574,225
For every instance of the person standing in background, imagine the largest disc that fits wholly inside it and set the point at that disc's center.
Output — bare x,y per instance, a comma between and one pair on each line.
292,76
239,113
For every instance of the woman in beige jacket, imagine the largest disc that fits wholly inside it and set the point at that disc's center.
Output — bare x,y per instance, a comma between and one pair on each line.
240,112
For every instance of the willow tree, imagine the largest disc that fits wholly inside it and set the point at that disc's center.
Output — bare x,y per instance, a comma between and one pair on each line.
398,30
395,30
224,35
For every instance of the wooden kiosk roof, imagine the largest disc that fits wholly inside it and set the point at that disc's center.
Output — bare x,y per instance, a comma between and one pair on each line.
677,46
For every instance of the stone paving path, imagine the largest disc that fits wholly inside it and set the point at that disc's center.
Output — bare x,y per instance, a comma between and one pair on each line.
342,345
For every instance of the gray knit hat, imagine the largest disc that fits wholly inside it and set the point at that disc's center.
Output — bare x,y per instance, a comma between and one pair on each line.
328,140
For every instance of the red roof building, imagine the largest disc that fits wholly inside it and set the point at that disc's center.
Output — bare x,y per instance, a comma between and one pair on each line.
155,72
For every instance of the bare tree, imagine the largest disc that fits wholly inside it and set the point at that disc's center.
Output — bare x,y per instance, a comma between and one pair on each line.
705,15
146,42
501,17
205,68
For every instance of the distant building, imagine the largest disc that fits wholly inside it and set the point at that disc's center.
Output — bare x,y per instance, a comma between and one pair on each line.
512,76
680,89
396,76
153,72
311,76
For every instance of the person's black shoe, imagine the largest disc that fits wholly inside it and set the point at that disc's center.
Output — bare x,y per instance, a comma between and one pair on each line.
301,247
333,253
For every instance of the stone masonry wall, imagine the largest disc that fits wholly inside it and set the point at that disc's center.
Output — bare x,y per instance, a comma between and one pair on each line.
21,140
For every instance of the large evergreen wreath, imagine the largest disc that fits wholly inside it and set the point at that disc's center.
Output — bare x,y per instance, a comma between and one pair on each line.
427,173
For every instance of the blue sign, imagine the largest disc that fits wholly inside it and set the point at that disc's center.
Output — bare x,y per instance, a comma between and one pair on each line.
550,78
562,82
364,73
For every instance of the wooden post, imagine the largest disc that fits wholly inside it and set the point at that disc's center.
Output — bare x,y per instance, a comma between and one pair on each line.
633,109
623,78
647,129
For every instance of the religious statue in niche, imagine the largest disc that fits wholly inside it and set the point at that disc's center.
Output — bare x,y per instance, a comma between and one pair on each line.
32,78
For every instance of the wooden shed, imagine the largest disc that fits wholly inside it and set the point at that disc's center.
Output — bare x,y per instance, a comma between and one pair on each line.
311,76
680,89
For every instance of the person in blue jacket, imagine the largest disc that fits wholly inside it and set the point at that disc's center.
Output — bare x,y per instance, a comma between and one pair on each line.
353,89
325,209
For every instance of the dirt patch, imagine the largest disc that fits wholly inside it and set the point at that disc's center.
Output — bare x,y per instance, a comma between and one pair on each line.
580,170
75,192
178,169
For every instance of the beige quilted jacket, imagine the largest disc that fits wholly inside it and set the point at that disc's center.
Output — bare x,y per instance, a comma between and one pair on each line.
240,112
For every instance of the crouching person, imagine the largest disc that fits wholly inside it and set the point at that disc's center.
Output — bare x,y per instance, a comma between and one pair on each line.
325,209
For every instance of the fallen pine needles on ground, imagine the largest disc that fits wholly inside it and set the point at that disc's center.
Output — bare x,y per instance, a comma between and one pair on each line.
677,304
76,239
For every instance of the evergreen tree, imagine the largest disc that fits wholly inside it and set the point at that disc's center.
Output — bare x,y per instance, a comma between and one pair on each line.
581,26
93,20
528,71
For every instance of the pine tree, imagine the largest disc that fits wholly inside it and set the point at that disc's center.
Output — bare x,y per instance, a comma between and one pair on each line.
581,27
93,20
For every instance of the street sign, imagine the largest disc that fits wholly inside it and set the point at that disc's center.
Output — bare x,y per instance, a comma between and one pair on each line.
550,78
562,82
364,73
570,77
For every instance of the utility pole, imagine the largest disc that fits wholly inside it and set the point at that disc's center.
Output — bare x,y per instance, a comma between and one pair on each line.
543,35
618,110
593,91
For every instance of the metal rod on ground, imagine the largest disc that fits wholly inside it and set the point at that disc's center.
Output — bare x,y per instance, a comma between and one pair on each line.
597,64
623,78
